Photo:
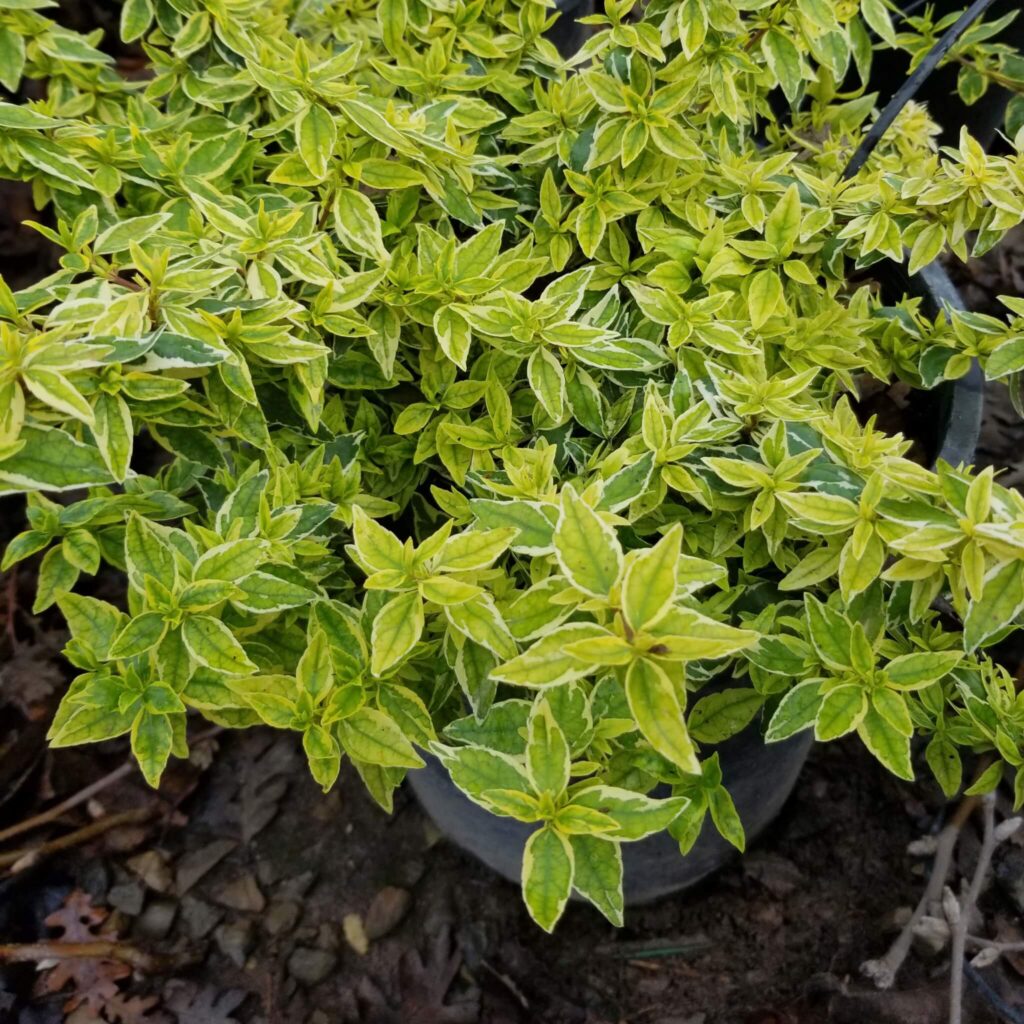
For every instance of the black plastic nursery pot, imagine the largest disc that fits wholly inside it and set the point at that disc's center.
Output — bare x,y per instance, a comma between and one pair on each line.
759,776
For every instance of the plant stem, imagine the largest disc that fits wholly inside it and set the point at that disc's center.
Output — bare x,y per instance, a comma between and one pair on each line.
100,949
45,817
993,76
76,838
967,905
980,942
884,970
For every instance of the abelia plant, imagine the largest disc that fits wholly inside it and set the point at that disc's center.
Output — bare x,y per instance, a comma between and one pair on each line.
439,395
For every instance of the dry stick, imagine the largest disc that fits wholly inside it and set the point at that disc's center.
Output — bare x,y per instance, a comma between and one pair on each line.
967,904
884,970
99,949
45,817
980,942
82,835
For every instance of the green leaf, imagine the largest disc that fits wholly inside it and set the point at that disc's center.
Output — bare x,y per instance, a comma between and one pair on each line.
636,815
829,632
396,628
784,61
877,16
682,634
547,663
649,586
56,391
726,818
547,752
944,760
12,58
23,117
658,714
392,19
888,744
147,553
113,430
56,575
409,712
782,228
473,549
764,297
262,592
141,634
547,876
119,236
719,716
92,622
323,754
377,548
136,16
534,529
372,737
476,770
236,558
357,223
479,619
797,711
597,874
915,671
52,460
547,379
315,135
841,711
586,546
211,644
152,739
315,672
988,781
1001,602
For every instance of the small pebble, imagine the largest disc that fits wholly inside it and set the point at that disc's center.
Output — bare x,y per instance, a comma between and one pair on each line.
236,940
355,933
386,911
311,966
155,921
281,917
127,897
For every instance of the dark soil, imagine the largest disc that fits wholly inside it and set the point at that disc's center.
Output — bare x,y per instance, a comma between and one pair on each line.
294,880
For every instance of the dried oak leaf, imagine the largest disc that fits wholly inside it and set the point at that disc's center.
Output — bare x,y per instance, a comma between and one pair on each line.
194,1005
32,672
135,1010
423,983
269,763
94,982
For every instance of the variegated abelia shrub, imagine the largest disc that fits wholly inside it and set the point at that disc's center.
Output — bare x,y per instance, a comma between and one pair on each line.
435,394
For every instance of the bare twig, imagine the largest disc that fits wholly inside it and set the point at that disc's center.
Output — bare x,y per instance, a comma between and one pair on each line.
966,908
19,859
884,970
83,795
86,794
99,949
980,942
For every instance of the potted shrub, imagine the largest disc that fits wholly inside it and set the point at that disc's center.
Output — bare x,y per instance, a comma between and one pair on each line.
450,403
